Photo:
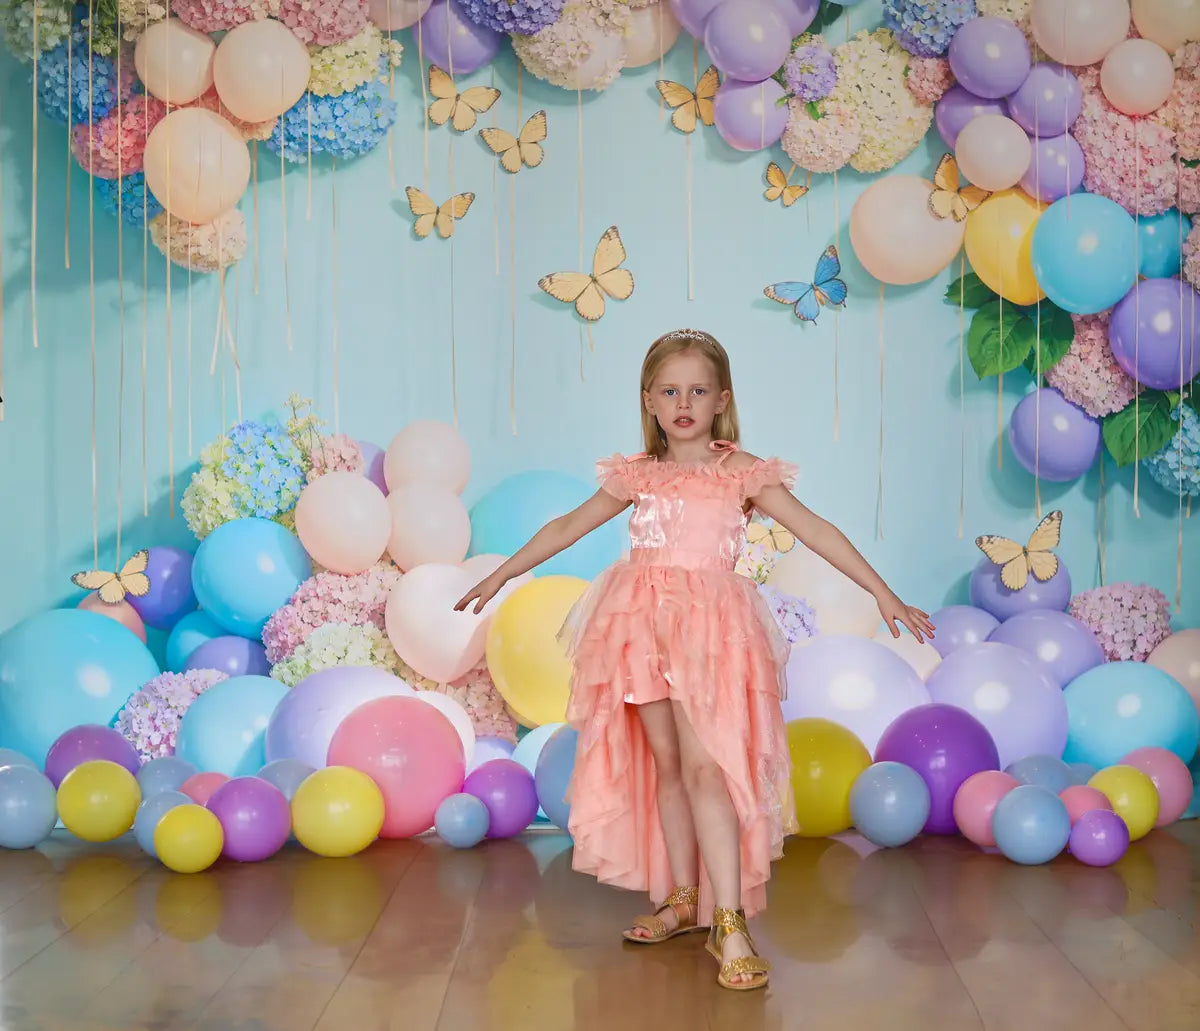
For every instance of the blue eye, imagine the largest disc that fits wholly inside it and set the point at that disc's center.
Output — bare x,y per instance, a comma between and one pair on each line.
699,390
669,391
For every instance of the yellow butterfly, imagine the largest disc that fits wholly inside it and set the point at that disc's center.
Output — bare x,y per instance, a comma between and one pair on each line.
587,291
778,186
947,199
460,109
429,214
113,587
516,151
774,537
690,107
1035,557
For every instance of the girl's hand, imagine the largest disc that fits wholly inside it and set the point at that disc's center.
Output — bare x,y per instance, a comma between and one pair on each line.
481,593
895,611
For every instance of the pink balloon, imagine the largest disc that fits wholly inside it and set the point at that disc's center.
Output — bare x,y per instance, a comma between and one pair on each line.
1080,799
481,566
1078,32
122,612
1170,23
261,69
428,452
1170,776
895,235
1137,76
993,152
199,787
392,15
976,800
426,632
174,62
343,522
1179,655
429,524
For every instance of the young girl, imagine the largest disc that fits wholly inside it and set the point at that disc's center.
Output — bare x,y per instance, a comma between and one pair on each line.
682,781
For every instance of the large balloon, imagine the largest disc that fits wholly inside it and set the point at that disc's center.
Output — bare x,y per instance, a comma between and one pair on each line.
1171,780
975,801
187,839
993,152
990,57
174,62
224,729
1179,655
988,592
960,625
170,597
508,791
1078,32
1098,838
429,523
1062,645
958,108
1081,250
426,632
87,742
458,716
29,807
653,30
693,14
747,39
826,761
165,773
896,237
337,812
428,451
999,244
1031,825
196,164
1137,76
1153,333
1049,100
1133,797
1169,23
889,804
922,656
343,521
1055,169
393,15
98,800
1052,438
749,115
841,606
194,629
254,816
153,809
453,42
552,774
461,820
261,69
1160,242
232,655
121,612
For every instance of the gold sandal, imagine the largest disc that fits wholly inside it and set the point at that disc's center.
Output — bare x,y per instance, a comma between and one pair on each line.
659,931
733,921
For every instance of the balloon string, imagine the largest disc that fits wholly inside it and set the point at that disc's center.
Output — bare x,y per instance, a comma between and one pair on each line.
1101,519
287,298
1137,206
333,276
1,278
1000,387
189,347
495,177
512,277
170,371
70,134
254,195
1179,432
962,394
879,509
92,306
1037,347
691,265
392,98
424,94
837,314
453,340
233,350
308,202
579,161
120,312
33,189
145,323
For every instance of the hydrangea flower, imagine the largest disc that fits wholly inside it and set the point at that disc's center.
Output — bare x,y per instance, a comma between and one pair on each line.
17,25
337,644
520,16
926,27
1088,375
149,720
323,22
1179,112
345,66
1176,468
219,15
211,101
344,126
1191,257
476,692
129,198
825,143
63,85
1129,620
115,145
556,52
337,454
202,248
929,78
794,616
810,72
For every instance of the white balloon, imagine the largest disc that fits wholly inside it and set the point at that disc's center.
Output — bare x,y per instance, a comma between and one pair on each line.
652,31
429,524
426,632
457,715
841,606
428,452
921,655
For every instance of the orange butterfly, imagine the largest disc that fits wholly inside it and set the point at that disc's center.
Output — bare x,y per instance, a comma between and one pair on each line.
690,106
947,199
113,587
1018,561
778,186
459,109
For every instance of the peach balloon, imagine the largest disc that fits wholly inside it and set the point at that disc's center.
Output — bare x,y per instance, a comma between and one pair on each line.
1171,777
1080,799
428,452
174,62
1078,32
199,787
896,237
999,241
393,15
429,524
343,521
842,607
976,800
920,655
261,69
426,632
196,164
993,152
1137,76
652,31
1169,23
122,612
1179,655
481,566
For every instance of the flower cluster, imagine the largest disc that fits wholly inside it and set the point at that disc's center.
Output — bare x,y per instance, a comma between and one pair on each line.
756,561
1010,10
1129,620
211,101
336,454
345,66
134,16
129,198
337,644
824,143
149,720
521,16
1176,468
115,145
928,78
585,32
17,25
1189,188
1088,375
1179,112
795,616
323,22
343,126
65,92
926,27
810,72
1191,257
476,692
203,248
219,15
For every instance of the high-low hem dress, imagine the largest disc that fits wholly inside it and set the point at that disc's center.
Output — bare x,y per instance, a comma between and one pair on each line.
675,621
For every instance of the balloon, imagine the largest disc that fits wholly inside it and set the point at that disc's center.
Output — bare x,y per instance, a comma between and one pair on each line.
120,612
1098,838
1052,438
1031,825
337,812
799,14
28,807
1055,170
1048,101
1179,655
343,522
653,31
1120,706
1159,242
482,566
232,655
1080,254
426,632
461,821
1137,76
840,605
945,745
960,625
166,773
852,682
826,761
428,452
200,787
458,717
1170,777
1153,333
896,237
187,635
1170,23
1133,797
188,839
287,775
1046,771
373,464
174,62
693,14
1080,799
410,750
529,748
261,69
98,800
1081,772
922,656
747,39
224,729
11,757
150,812
170,597
975,801
1078,32
552,775
889,804
999,243
196,164
749,115
507,790
393,15
1193,810
87,742
489,747
990,57
993,152
429,523
596,66
245,570
987,591
453,42
1062,645
958,108
255,818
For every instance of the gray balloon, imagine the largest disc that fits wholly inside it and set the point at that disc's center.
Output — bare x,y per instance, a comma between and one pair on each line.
28,807
145,823
11,757
286,774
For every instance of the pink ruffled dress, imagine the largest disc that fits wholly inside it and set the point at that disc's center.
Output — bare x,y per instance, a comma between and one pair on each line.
675,621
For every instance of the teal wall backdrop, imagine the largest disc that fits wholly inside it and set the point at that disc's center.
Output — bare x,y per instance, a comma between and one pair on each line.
401,306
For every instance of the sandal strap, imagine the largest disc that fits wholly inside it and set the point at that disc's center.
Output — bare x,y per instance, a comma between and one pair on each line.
654,924
689,896
745,965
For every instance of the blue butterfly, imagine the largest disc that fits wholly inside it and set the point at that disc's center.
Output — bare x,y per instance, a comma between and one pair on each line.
825,289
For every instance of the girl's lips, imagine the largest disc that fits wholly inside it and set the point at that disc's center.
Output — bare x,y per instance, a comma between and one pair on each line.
684,421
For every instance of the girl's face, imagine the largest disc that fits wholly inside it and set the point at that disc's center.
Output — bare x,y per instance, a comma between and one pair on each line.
686,397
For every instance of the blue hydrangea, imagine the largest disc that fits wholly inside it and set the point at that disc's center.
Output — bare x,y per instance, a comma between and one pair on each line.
129,197
344,126
265,461
926,27
1177,466
810,72
524,17
62,85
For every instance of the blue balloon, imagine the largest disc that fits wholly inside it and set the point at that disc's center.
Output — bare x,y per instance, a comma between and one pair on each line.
193,630
516,508
28,806
287,775
1081,773
1031,825
62,668
246,569
889,803
166,773
553,773
150,812
224,730
8,757
1193,810
1120,706
1046,771
1081,253
461,820
529,748
1160,240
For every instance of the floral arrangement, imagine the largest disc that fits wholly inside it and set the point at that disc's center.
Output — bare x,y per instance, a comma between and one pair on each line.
336,454
476,692
202,248
1179,112
220,15
149,720
337,644
519,16
810,72
323,22
1129,620
1176,468
345,67
128,198
928,78
17,20
1088,375
126,18
926,27
63,85
342,126
115,145
249,130
1191,257
554,53
823,141
795,617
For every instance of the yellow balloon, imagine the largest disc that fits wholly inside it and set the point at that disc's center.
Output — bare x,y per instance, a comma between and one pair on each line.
1133,796
529,666
999,242
826,760
98,800
188,839
337,811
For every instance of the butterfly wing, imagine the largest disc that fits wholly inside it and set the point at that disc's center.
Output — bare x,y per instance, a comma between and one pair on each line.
472,102
450,212
1000,550
503,143
532,135
106,583
683,100
567,287
606,273
706,90
423,209
1047,533
946,175
791,194
133,574
445,94
831,293
782,539
829,266
788,292
1014,574
942,204
972,197
1043,564
590,303
776,182
757,533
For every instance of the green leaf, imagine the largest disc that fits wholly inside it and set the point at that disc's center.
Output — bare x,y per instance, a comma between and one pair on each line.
1055,338
999,339
814,110
1140,429
827,14
970,291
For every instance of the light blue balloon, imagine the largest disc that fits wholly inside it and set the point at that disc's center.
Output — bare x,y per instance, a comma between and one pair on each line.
193,630
889,803
28,806
1082,246
1120,706
166,773
1160,243
287,775
224,730
8,757
246,569
461,820
1046,771
530,747
150,812
1031,825
516,508
553,773
1193,810
65,667
1081,773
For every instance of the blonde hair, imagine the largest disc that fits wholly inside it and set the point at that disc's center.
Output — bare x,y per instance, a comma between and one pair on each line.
725,424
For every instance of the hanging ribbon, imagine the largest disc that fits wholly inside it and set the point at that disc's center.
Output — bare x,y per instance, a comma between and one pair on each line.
333,290
309,163
1037,347
33,189
92,315
254,196
145,323
512,276
1137,332
579,149
70,135
120,318
1101,518
879,506
424,92
391,137
1000,388
496,170
287,293
962,394
691,292
1179,432
189,346
1,278
837,311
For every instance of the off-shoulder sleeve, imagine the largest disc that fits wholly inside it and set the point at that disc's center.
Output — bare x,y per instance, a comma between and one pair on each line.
768,472
615,476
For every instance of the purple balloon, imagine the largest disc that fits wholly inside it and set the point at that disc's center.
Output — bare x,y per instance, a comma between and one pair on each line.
798,14
1048,101
255,817
945,745
748,115
990,57
1055,169
988,592
1153,335
960,625
1053,438
489,748
747,39
1062,645
237,656
453,42
373,456
85,743
959,106
693,14
1099,838
507,789
170,597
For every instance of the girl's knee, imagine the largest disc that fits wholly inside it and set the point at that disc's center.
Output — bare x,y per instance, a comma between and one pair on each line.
703,777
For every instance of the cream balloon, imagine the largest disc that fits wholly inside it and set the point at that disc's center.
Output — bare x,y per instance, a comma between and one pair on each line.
1137,76
1169,23
841,606
458,717
993,152
895,235
1078,32
393,15
429,524
652,31
196,164
426,632
261,69
595,71
921,655
482,566
343,521
174,62
428,452
1179,655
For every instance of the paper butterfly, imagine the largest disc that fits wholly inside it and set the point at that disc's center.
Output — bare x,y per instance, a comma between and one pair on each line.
459,109
587,291
947,199
113,587
516,151
429,215
1018,562
825,289
774,537
690,107
778,186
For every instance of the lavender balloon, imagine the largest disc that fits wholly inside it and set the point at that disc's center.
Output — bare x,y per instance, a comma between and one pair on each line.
747,39
453,42
85,743
1099,838
988,592
1153,335
990,57
693,14
957,107
373,456
748,115
1053,438
798,14
255,817
1055,169
236,656
1048,101
960,625
488,748
508,791
1062,645
170,597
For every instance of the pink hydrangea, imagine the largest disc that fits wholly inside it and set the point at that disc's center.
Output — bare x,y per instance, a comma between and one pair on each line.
1179,113
1191,257
928,78
249,130
324,22
219,15
336,454
822,144
114,146
1088,375
150,719
1129,620
476,692
1188,200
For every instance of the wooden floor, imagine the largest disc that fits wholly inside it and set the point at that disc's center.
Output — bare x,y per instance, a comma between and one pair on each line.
413,935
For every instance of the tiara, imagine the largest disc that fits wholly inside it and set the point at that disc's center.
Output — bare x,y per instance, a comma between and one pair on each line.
688,334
